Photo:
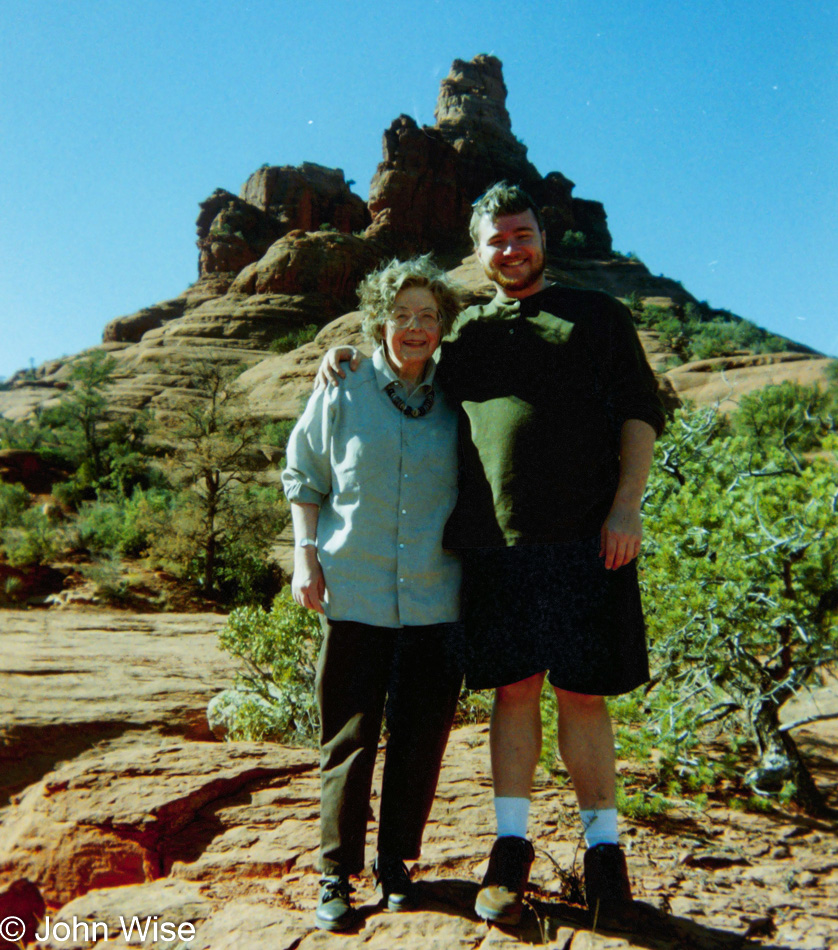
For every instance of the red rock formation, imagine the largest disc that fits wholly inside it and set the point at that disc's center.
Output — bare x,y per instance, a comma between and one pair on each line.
421,193
232,233
417,198
306,197
329,264
471,115
235,231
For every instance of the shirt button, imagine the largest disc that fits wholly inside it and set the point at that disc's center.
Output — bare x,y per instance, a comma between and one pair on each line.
401,545
405,475
401,580
404,511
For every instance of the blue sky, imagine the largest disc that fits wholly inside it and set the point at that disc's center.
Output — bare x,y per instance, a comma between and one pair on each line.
709,131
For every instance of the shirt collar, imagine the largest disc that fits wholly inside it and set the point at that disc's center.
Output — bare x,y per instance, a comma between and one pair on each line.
385,375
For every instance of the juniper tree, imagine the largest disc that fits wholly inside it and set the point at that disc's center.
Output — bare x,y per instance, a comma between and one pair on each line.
741,575
222,514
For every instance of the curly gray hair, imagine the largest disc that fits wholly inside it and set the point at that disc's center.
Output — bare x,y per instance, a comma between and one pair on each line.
378,292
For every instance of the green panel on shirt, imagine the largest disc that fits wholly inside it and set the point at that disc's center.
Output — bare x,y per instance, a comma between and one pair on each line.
544,384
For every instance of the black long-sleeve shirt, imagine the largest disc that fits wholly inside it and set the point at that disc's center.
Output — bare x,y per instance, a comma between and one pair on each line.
545,384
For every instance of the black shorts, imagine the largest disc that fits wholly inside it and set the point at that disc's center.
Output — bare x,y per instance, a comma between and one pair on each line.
536,607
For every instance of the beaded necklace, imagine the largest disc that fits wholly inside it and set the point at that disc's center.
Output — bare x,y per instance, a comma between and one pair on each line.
403,407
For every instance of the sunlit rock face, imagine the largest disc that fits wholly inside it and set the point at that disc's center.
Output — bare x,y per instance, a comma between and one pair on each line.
290,249
471,115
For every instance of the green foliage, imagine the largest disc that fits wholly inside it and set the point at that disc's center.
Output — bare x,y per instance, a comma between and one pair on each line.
474,706
221,524
294,338
278,652
14,500
35,539
108,579
641,805
79,434
277,433
634,302
787,416
695,332
114,524
741,572
573,243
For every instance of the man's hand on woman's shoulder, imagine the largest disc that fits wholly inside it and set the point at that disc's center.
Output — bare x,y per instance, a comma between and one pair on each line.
330,372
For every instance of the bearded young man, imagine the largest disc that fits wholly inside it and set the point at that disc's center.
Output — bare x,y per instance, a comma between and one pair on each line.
559,413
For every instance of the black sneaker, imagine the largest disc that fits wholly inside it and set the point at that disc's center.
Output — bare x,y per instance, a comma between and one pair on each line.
607,886
334,908
396,886
501,896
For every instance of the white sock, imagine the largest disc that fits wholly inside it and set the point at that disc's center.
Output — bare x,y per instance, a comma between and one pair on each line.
600,826
512,816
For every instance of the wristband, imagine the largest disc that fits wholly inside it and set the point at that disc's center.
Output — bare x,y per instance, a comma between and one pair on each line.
307,543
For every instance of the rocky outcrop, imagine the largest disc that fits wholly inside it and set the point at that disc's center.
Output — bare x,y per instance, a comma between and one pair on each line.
268,268
71,680
130,815
224,836
326,264
418,199
235,231
232,233
421,193
308,198
722,381
471,115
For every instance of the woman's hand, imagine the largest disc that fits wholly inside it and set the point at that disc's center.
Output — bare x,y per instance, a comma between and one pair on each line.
620,536
308,586
329,371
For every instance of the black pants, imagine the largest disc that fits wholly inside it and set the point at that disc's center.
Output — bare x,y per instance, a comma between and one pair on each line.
414,670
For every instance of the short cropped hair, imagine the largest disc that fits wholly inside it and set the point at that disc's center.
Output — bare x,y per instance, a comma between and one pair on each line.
502,199
378,292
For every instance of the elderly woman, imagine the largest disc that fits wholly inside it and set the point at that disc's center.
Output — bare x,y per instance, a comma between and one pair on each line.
371,477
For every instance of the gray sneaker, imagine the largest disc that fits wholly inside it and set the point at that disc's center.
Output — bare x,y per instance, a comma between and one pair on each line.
334,908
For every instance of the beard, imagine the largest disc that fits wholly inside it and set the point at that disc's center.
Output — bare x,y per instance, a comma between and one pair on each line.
531,275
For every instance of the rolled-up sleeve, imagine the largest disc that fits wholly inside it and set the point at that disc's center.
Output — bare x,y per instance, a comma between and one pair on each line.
307,477
633,386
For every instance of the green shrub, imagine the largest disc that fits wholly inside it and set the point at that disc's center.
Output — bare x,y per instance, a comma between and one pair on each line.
277,432
294,338
36,539
108,579
113,524
14,500
740,573
635,303
474,706
788,415
573,243
98,526
278,652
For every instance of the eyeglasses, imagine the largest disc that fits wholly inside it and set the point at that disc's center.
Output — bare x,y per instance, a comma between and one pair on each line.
424,319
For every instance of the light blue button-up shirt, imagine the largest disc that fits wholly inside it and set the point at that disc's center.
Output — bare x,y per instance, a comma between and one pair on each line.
385,484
